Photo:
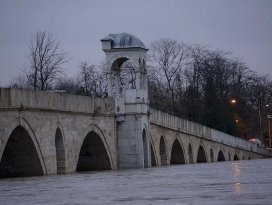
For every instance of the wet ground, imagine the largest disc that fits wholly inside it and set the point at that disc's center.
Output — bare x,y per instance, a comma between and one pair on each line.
239,182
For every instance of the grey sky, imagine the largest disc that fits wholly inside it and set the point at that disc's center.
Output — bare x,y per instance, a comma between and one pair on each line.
241,27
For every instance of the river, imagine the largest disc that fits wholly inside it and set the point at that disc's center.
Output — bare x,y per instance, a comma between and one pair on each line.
239,182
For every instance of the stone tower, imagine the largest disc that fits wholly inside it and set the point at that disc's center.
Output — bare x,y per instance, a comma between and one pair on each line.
131,102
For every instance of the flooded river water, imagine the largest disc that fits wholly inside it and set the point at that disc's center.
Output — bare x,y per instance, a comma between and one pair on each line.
239,182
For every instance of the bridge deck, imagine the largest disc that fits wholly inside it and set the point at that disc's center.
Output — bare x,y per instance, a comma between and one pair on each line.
163,119
54,101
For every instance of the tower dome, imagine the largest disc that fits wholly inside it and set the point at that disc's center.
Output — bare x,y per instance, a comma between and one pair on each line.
124,40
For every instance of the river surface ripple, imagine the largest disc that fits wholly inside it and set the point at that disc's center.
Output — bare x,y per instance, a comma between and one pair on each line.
239,182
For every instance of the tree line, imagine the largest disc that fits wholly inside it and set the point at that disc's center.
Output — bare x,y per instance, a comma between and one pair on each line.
194,82
210,87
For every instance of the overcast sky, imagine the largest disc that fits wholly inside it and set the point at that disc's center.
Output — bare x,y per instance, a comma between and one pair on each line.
243,27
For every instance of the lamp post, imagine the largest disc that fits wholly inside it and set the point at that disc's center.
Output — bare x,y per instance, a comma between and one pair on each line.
260,121
269,117
233,102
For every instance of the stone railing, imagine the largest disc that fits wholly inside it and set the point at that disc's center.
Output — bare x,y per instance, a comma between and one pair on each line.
23,99
172,122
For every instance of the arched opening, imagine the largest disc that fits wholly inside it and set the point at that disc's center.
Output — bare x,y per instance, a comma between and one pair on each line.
143,64
127,76
145,149
191,160
116,65
20,157
93,154
153,159
235,157
177,156
211,154
163,152
60,152
124,75
201,156
221,156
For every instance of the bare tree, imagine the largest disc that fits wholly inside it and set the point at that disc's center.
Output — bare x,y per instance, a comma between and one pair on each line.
19,82
69,85
127,75
193,72
259,94
92,79
168,56
46,61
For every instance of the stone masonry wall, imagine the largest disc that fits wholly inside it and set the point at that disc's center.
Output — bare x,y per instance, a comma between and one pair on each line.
41,113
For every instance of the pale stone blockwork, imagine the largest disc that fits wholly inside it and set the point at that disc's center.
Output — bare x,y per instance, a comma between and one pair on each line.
42,120
131,105
171,128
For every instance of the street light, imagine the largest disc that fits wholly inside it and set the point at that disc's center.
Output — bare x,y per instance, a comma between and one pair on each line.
233,101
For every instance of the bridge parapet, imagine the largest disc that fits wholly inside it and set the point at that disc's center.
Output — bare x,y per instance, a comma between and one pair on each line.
54,101
185,126
167,120
240,143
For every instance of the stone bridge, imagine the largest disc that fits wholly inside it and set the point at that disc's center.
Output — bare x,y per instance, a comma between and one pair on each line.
43,132
48,133
55,133
178,141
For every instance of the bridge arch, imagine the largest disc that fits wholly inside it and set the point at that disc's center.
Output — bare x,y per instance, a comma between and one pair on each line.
154,160
21,155
190,154
60,151
235,157
145,148
201,154
94,144
21,121
177,153
221,156
163,154
211,155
